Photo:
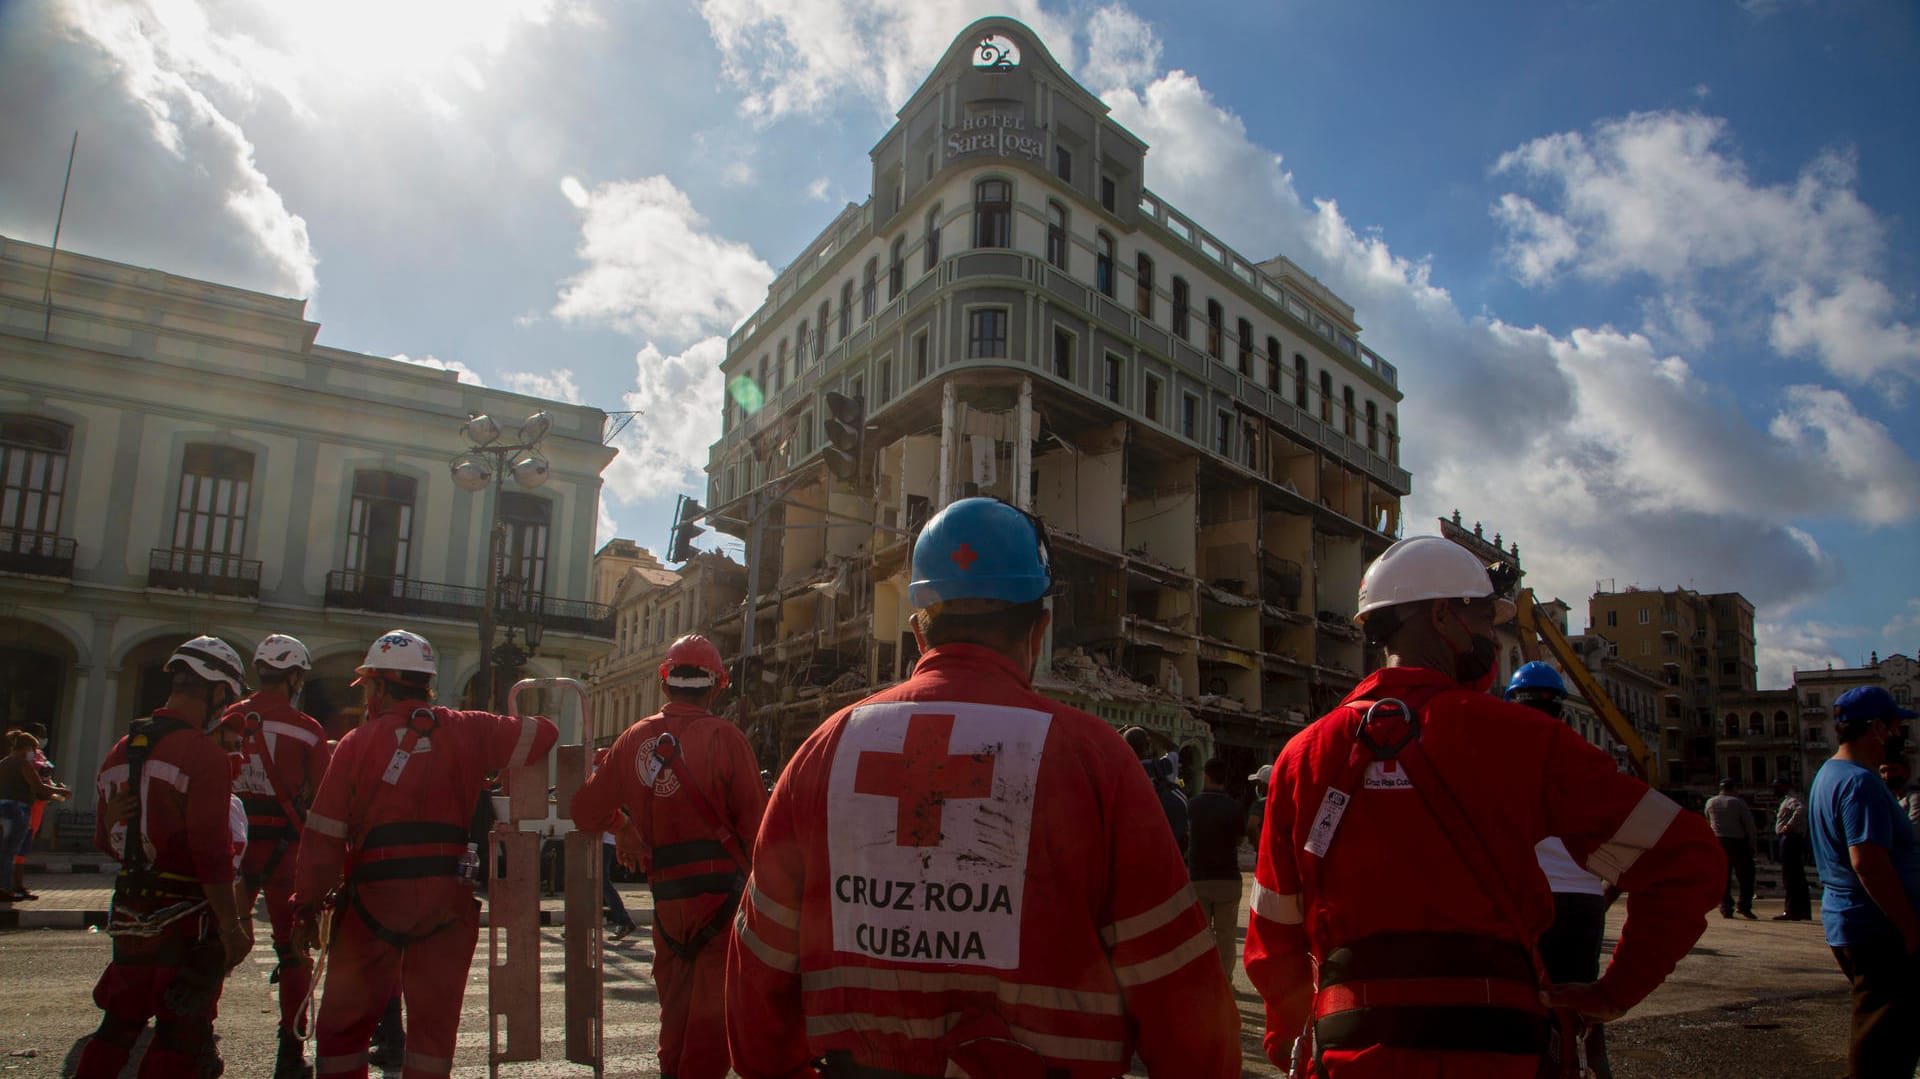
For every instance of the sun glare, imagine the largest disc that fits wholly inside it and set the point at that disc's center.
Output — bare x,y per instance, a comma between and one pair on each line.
436,43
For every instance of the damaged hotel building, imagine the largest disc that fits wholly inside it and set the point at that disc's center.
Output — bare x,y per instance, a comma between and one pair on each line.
1012,313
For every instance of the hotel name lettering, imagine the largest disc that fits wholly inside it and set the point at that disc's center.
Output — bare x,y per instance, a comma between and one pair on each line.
994,132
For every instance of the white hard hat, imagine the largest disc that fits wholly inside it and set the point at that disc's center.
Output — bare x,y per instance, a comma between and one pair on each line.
212,659
400,650
1265,774
1422,568
282,653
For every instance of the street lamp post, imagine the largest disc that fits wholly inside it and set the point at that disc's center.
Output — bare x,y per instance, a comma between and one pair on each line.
488,460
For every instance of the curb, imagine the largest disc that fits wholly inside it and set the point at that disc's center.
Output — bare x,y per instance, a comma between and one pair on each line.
35,865
18,918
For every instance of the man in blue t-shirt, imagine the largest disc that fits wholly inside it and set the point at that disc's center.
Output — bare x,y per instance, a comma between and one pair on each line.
1870,866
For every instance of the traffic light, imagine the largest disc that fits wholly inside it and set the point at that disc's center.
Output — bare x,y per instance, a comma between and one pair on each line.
680,546
846,433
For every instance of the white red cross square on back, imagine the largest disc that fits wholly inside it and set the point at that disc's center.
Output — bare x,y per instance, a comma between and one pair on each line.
923,776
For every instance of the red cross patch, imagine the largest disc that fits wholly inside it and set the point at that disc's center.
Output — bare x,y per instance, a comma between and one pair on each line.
964,557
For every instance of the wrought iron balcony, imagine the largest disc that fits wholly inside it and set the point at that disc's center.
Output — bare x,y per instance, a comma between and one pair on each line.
201,571
353,590
41,554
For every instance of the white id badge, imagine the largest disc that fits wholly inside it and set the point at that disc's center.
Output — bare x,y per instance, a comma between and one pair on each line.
653,771
1326,821
395,766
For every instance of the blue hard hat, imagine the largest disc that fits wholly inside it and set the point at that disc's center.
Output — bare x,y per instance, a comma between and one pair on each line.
1869,702
1536,675
980,548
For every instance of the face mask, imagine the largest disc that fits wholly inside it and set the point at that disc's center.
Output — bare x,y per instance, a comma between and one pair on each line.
1474,668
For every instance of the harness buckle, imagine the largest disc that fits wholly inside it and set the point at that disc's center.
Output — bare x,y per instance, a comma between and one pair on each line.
1395,708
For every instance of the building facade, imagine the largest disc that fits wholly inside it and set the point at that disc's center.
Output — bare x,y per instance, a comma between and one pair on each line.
1215,454
652,607
1815,690
180,457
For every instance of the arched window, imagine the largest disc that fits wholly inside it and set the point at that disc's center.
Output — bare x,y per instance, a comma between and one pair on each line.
1273,364
1346,410
993,214
1732,725
1216,317
1103,263
801,345
1393,439
869,286
846,309
820,331
1373,427
897,267
1756,724
780,366
1181,315
33,479
930,244
1143,285
1326,397
1245,330
1782,728
1057,235
1299,381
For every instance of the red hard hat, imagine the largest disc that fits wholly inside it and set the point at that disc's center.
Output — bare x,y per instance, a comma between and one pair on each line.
693,650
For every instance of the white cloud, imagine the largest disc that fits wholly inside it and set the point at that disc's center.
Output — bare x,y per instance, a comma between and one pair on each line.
664,449
737,174
652,268
817,190
555,385
465,374
1605,455
1122,50
605,528
1665,197
1905,623
810,56
1782,648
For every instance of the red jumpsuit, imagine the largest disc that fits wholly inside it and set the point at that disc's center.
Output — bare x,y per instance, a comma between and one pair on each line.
176,977
287,753
696,883
397,836
959,858
1419,974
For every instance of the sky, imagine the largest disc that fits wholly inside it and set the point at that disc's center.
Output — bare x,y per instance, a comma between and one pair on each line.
1650,271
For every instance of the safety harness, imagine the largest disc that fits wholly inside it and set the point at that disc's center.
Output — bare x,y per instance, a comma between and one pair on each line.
290,825
1426,991
686,869
362,871
146,900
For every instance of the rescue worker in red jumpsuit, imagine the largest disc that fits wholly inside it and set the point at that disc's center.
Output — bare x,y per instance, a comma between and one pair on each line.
176,927
1397,901
689,782
392,819
955,876
283,757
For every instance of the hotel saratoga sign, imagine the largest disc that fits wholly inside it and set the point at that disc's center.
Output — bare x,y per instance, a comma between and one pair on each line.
1001,133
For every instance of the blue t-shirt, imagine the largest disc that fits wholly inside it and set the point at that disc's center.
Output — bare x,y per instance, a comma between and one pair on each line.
1849,806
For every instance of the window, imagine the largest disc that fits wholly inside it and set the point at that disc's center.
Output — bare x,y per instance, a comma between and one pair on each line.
380,524
802,342
1733,769
1216,316
1646,616
1646,648
528,519
1326,397
1189,414
1143,285
1180,299
869,288
1782,767
1756,724
761,383
1732,725
1393,439
820,332
931,245
211,519
886,380
1245,330
1346,411
1299,381
1109,194
1112,386
780,366
1057,235
987,333
33,477
846,309
1063,354
897,267
1223,434
1759,769
1103,263
992,214
1813,700
1373,427
1250,444
920,357
1152,404
1273,364
1063,163
806,433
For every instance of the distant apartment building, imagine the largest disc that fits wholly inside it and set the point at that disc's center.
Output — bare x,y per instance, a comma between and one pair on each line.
652,607
1700,647
1815,691
1014,314
181,457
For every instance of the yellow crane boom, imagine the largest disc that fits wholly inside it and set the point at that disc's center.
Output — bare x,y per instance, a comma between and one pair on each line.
1534,628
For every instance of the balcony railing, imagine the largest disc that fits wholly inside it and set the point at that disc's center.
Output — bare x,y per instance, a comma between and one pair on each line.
353,590
203,571
41,554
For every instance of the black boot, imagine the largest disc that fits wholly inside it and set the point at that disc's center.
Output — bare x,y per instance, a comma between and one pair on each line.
389,1047
292,1061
